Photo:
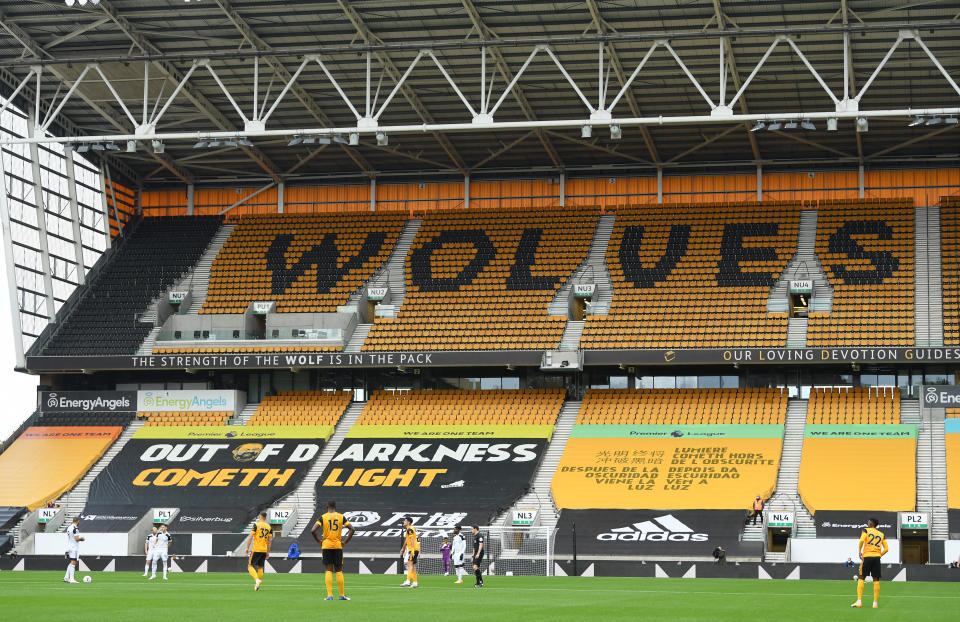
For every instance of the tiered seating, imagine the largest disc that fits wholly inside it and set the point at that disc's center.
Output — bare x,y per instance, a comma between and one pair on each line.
866,248
301,408
696,276
185,418
245,349
85,418
684,406
846,430
453,407
854,405
950,266
303,262
484,280
9,516
155,255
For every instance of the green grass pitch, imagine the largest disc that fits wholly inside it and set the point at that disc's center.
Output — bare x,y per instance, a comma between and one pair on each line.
219,597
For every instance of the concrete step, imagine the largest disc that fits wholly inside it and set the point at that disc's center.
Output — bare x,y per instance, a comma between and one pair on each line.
359,336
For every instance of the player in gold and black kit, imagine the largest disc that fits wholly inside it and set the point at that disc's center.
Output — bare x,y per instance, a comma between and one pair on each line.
260,537
872,546
332,524
410,548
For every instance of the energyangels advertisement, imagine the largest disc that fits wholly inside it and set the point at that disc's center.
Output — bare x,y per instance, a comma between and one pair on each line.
209,467
620,467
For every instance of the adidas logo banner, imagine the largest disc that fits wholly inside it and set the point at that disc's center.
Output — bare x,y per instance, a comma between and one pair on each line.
693,533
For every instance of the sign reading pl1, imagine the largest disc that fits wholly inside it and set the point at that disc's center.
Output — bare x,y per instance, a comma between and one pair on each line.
163,515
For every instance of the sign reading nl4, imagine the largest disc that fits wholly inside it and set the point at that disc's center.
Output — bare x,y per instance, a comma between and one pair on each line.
780,519
913,520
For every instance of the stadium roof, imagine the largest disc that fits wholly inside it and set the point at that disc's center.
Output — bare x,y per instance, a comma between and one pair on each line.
173,37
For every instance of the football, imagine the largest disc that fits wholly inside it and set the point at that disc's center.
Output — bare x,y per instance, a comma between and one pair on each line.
87,579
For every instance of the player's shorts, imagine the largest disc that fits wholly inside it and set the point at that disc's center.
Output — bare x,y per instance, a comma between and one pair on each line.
458,561
478,559
257,560
159,555
412,557
333,557
870,566
73,554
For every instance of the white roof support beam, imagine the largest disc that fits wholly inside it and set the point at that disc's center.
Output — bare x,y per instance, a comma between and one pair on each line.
13,295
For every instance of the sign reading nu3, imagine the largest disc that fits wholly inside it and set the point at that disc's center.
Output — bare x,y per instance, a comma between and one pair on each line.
173,401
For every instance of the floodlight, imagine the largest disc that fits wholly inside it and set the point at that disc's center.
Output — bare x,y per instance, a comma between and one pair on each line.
200,144
863,125
340,139
807,124
96,147
831,125
916,121
776,125
950,120
934,121
131,146
113,147
158,147
586,131
616,132
244,142
790,125
759,126
382,139
354,138
83,148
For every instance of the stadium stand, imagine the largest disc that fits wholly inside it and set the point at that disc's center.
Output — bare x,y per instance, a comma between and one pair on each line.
244,349
854,405
303,262
179,418
696,276
950,267
848,429
683,406
154,255
866,248
952,446
79,418
454,407
301,408
63,454
483,281
9,516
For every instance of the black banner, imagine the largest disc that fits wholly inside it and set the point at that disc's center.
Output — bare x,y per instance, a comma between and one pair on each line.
740,356
940,396
204,474
111,518
849,524
440,482
88,401
210,520
953,520
651,532
379,529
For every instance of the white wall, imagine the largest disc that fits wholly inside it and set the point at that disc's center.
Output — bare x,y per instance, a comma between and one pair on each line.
951,550
95,544
834,550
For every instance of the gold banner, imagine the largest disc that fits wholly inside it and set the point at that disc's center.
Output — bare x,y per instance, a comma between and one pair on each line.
679,474
202,432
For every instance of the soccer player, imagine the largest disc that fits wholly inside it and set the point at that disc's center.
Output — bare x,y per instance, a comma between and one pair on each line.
332,524
477,555
73,550
259,540
459,548
411,547
872,546
161,549
148,548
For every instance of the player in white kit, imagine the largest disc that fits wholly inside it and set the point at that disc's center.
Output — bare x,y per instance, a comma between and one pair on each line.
73,550
148,549
160,550
457,551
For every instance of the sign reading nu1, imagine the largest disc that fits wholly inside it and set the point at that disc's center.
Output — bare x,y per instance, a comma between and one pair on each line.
941,396
176,296
801,286
262,308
